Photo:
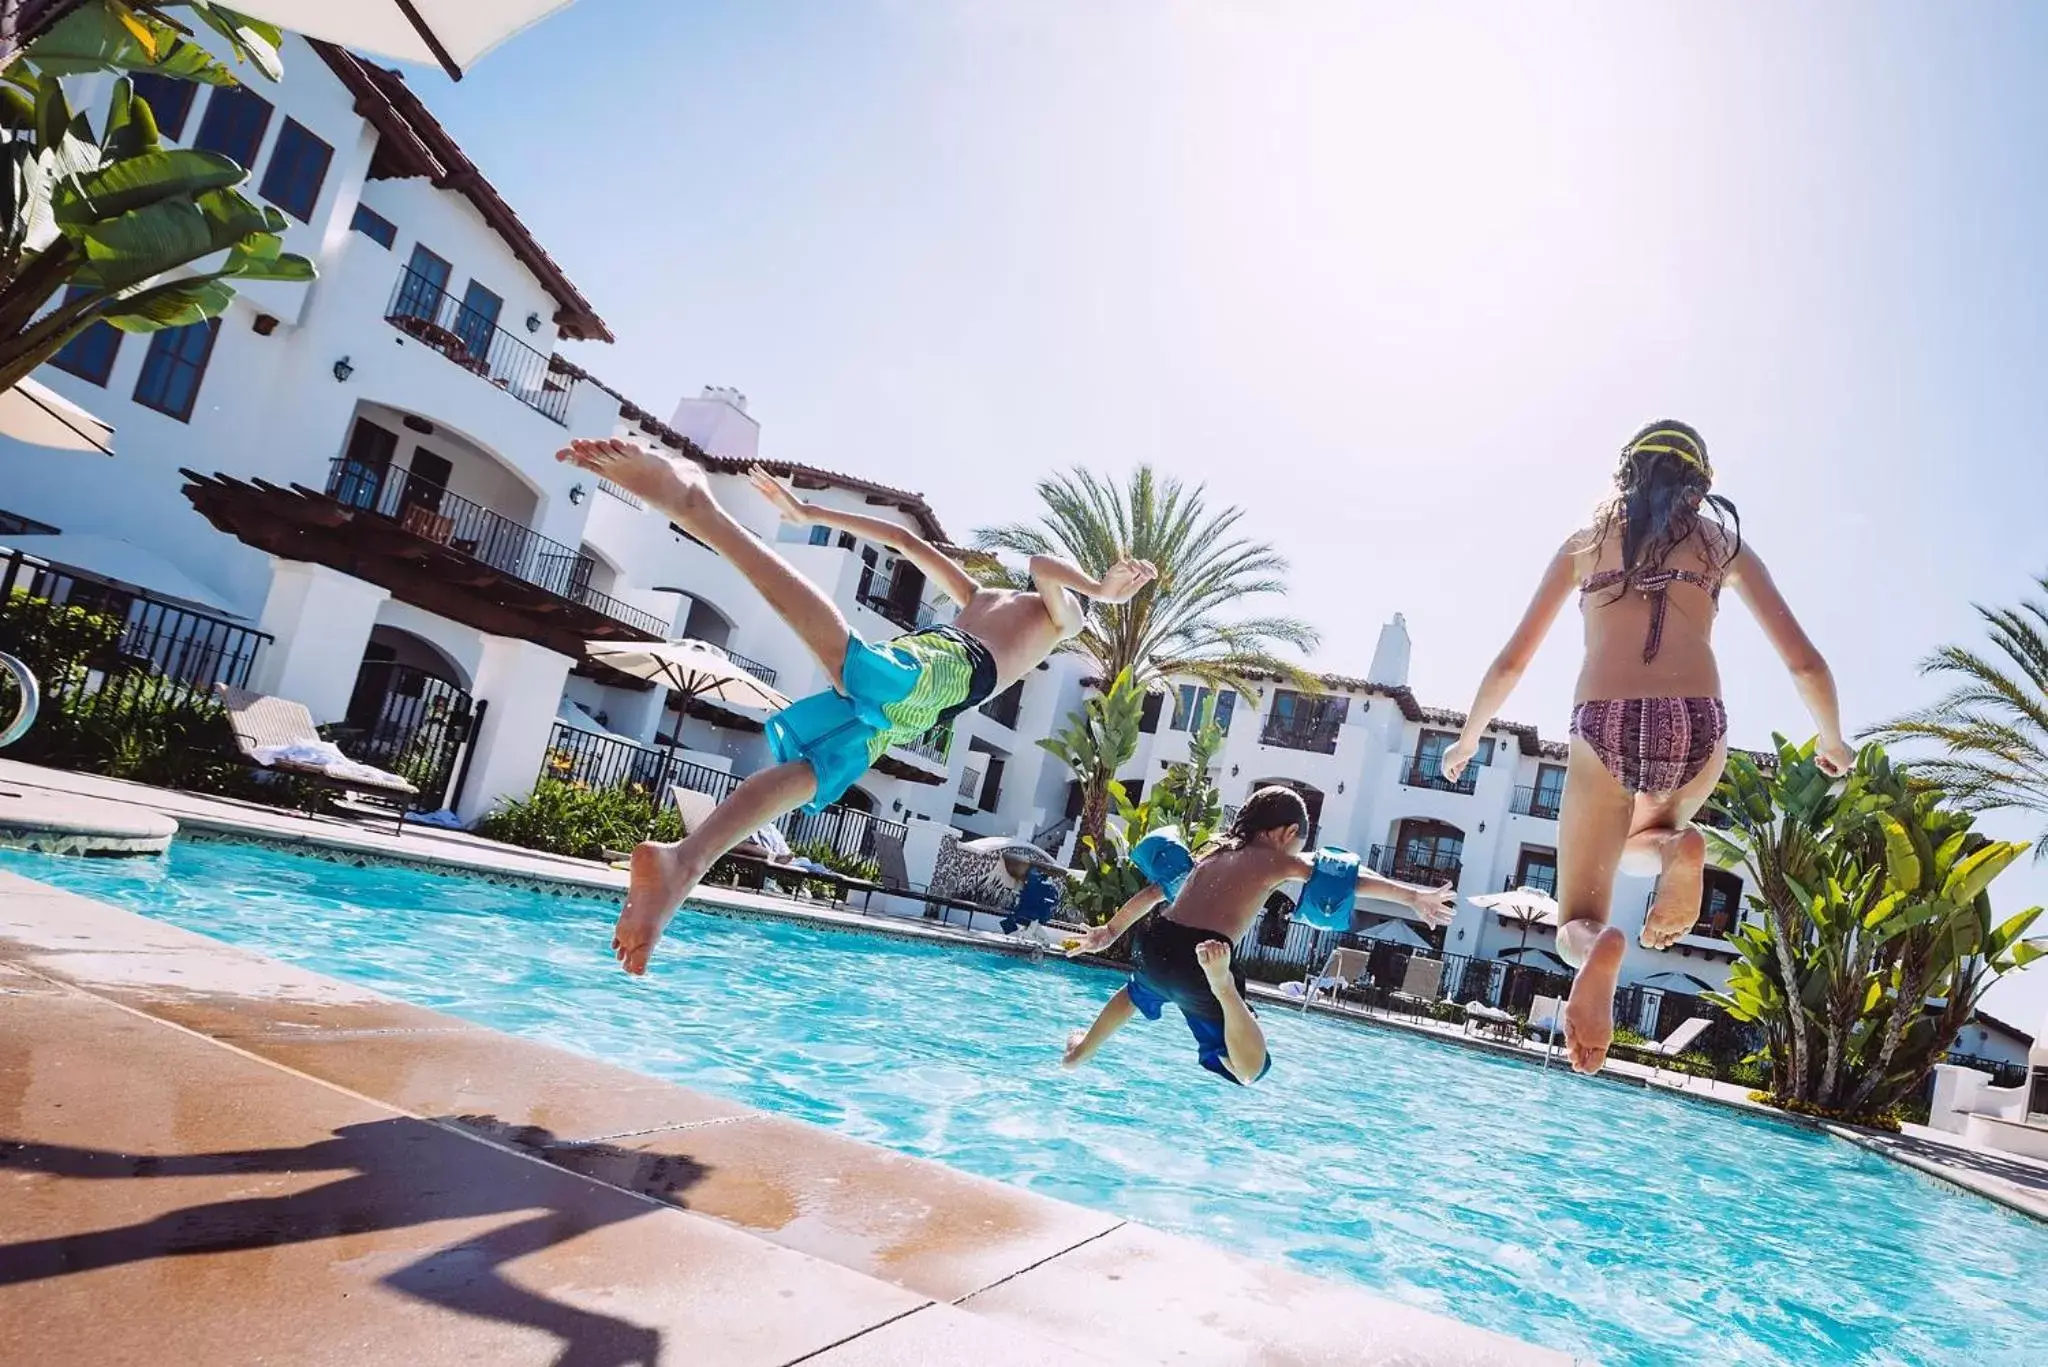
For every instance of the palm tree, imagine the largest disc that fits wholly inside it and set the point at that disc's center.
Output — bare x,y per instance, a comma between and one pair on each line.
1994,723
1186,620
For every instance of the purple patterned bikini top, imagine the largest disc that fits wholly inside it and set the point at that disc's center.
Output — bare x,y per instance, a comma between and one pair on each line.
1656,586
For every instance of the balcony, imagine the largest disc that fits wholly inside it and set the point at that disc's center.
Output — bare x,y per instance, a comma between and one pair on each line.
1428,870
430,512
1426,771
1318,737
1544,803
934,744
1541,877
428,314
753,667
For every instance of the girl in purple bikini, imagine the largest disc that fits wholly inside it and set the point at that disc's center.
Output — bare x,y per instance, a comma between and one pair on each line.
1649,733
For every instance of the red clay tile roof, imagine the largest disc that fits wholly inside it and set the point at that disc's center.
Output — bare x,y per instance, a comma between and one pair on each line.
412,142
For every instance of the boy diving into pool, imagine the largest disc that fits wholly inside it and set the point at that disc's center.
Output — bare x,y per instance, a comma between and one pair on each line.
881,695
1183,955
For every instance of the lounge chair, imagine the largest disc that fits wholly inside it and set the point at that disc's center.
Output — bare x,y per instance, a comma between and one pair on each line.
1675,1043
1547,1015
1501,1024
896,882
1421,980
1343,969
278,734
767,853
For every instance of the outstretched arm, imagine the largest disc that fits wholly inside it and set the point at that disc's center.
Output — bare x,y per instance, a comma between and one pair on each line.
938,567
1810,673
1053,576
1508,667
1434,905
1127,915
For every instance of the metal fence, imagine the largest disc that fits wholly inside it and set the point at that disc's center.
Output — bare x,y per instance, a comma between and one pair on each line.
603,762
121,651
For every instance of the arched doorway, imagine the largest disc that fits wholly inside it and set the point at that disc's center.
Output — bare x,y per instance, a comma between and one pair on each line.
858,799
407,713
706,623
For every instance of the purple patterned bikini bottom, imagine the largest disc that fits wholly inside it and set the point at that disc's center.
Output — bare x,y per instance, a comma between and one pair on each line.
1652,745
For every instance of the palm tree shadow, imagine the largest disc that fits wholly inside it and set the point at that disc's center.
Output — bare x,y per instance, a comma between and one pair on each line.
390,1175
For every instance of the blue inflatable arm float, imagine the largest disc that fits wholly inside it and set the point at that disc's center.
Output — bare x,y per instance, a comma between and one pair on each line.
1164,860
1331,891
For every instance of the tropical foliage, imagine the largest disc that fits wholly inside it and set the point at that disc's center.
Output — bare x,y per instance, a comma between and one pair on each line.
1992,726
1189,618
110,225
1875,939
1185,796
1097,740
572,818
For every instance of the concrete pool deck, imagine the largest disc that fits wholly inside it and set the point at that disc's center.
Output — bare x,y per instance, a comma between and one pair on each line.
2018,1183
208,1155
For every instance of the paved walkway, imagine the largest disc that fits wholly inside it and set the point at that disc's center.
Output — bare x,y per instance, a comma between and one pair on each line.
210,1156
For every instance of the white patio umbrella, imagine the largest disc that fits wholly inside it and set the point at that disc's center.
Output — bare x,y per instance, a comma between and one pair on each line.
695,669
450,33
40,416
1526,906
1395,933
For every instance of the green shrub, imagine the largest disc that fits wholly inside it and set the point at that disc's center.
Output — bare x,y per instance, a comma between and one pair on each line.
575,819
1449,1012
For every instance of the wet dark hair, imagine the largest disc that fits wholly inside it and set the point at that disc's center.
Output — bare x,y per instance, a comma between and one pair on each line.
1269,809
1662,483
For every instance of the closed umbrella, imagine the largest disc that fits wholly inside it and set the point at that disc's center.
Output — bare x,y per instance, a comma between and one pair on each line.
1017,857
450,33
1526,906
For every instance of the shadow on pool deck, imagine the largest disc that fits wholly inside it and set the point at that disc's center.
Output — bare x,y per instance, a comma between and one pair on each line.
389,1174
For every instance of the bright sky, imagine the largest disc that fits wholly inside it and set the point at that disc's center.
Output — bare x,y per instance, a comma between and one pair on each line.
1397,278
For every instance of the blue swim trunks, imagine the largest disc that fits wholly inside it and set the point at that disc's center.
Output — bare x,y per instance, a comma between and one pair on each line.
1164,969
894,693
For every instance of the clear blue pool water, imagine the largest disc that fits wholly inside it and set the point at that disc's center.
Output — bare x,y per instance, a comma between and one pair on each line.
1622,1227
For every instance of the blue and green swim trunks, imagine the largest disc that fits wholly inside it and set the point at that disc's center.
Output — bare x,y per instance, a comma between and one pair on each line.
894,693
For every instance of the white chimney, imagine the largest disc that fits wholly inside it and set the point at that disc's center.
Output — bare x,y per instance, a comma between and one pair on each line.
1390,656
717,421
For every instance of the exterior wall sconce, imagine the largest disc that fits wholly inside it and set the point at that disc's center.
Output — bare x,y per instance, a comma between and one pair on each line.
533,322
343,369
576,493
265,324
1340,787
1233,771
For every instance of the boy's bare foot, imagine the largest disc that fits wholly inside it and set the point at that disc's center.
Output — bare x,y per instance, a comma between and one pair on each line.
1214,957
1677,907
659,881
1075,1056
679,488
1589,1013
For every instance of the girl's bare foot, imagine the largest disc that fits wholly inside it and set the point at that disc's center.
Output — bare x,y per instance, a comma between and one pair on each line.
660,879
1589,1013
679,488
1677,907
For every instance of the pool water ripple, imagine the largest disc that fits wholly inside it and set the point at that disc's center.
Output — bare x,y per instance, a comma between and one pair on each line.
1624,1227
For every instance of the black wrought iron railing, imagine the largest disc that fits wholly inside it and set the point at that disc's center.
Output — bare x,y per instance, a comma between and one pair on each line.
432,512
603,762
934,744
606,762
1426,771
111,654
422,310
1412,866
1315,736
412,723
1541,802
1540,877
753,667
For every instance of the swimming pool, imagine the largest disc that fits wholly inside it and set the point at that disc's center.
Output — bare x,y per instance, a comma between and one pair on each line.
1623,1227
